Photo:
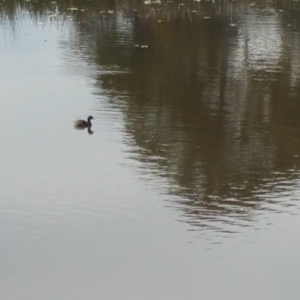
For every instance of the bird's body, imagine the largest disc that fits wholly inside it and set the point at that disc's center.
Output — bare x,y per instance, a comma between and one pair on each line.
82,124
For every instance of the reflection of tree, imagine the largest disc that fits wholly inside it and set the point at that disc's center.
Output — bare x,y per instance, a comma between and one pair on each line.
204,111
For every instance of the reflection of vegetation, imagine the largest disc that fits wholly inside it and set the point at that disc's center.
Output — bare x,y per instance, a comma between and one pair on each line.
161,10
209,103
205,107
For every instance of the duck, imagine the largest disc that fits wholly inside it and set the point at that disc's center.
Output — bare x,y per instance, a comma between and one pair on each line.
82,124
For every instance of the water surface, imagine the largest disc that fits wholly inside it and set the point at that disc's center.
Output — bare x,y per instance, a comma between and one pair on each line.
189,186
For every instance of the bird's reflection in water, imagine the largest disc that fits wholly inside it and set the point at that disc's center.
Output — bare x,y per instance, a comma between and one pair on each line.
82,125
89,130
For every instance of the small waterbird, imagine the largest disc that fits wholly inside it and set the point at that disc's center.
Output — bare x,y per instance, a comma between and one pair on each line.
82,124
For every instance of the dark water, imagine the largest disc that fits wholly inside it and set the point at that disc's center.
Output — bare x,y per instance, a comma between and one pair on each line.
189,186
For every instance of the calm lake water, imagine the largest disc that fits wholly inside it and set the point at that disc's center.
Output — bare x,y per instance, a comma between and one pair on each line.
189,186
